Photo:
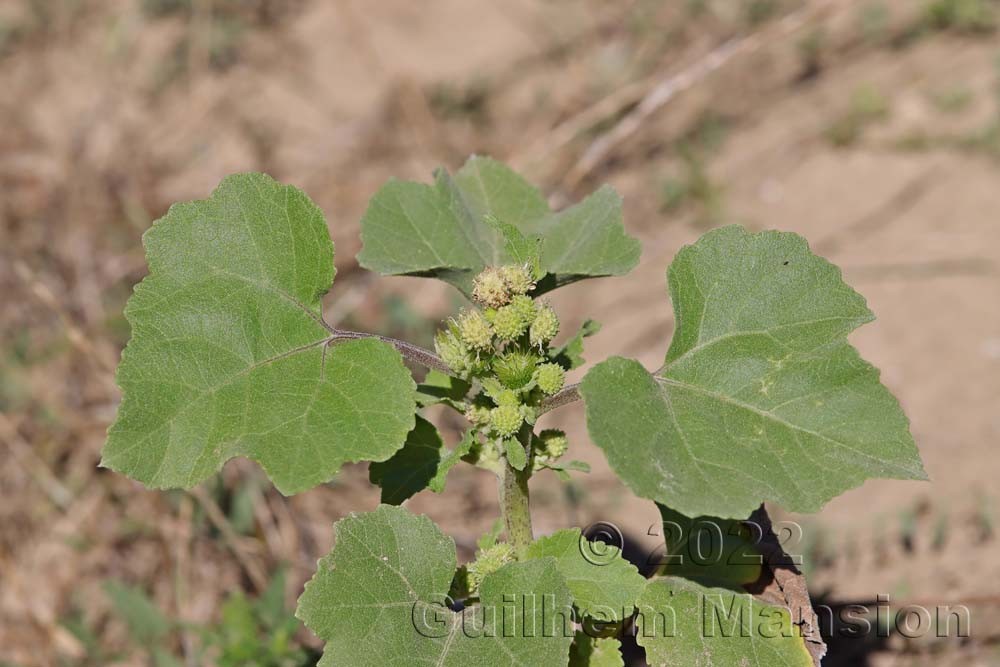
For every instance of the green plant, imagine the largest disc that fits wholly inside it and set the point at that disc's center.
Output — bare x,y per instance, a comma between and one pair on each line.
868,106
952,99
811,48
760,11
693,186
250,632
760,397
966,16
874,19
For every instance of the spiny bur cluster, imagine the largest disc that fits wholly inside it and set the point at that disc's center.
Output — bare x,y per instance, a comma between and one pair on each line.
503,348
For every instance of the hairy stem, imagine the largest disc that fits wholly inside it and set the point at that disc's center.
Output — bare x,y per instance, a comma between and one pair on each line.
514,501
565,396
410,352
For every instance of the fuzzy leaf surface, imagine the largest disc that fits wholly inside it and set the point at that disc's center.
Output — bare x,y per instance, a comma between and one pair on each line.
761,396
520,249
515,453
412,468
710,550
230,356
378,597
604,585
590,651
454,228
682,623
439,387
422,463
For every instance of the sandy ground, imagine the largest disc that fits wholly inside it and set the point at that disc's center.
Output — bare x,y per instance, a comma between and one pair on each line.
104,122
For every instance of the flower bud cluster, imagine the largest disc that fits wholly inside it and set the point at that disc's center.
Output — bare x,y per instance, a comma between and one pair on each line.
496,286
504,350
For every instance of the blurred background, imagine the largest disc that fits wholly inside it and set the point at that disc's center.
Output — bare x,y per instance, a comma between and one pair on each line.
872,127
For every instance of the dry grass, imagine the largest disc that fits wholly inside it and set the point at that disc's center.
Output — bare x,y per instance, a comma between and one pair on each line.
113,109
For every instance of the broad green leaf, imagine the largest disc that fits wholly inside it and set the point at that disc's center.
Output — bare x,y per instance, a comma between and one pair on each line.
439,387
588,651
230,355
604,585
587,239
569,355
378,599
710,550
761,396
422,463
682,623
491,187
459,225
411,468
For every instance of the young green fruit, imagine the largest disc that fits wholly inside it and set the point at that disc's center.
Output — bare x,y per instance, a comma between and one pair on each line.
508,324
452,351
525,308
490,288
515,369
517,278
508,397
474,330
506,419
550,378
545,327
552,444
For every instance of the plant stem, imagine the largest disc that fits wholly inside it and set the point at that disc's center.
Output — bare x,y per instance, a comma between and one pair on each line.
565,396
514,501
414,353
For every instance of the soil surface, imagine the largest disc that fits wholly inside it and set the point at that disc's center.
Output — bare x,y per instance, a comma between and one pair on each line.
868,128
